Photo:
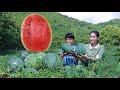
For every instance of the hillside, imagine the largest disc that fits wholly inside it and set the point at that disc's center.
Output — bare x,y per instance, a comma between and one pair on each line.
60,25
115,22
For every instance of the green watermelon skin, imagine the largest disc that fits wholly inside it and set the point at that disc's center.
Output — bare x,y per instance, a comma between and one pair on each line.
80,49
23,54
34,60
15,64
67,48
51,61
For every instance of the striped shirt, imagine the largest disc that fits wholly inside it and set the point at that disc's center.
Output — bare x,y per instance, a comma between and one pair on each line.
69,60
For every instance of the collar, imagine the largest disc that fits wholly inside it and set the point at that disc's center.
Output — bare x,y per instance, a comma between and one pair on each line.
94,47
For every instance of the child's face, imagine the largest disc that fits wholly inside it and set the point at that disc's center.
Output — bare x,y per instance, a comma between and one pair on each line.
69,41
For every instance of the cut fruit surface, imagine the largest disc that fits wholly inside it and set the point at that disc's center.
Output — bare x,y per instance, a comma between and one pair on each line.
36,33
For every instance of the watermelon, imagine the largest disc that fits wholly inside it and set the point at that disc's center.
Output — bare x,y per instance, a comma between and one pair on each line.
51,61
15,64
80,49
34,60
23,54
30,73
67,48
36,33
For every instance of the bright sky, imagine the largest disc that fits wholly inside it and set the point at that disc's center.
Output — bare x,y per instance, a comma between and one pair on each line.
93,17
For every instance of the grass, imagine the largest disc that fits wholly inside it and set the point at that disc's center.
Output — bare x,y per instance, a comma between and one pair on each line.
106,68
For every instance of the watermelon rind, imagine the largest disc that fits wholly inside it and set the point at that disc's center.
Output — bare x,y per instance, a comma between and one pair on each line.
67,48
80,49
51,61
34,60
22,27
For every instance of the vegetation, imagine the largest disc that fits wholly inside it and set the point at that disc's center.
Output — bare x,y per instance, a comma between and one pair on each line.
10,33
111,35
10,45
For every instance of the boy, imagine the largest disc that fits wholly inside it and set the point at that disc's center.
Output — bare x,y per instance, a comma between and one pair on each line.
69,58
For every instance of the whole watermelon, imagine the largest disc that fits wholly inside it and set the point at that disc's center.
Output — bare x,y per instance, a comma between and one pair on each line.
51,61
30,73
23,54
34,60
67,48
15,64
80,49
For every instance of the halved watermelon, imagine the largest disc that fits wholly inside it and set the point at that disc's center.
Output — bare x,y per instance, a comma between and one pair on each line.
36,33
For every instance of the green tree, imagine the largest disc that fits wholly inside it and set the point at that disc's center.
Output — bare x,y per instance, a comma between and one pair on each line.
110,35
9,32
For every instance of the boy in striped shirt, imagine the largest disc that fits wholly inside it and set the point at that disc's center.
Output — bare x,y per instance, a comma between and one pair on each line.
69,58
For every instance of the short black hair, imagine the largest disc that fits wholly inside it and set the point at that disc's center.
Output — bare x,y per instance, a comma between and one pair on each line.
96,33
69,35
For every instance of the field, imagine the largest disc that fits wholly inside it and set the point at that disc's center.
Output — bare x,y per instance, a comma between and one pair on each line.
108,67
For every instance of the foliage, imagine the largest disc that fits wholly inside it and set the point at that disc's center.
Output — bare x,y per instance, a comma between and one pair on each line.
60,25
30,73
11,24
113,22
107,67
110,35
9,36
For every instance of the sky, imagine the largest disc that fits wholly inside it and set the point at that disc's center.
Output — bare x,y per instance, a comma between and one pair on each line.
93,17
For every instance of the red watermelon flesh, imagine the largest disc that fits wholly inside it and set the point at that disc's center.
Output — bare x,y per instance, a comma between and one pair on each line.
36,33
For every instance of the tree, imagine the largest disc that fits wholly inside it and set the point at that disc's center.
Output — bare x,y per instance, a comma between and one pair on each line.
110,35
9,32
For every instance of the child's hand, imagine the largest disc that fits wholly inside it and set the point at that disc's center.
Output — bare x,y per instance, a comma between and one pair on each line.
73,54
65,53
84,57
81,56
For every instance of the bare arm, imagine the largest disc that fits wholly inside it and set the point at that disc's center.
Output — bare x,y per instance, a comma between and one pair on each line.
63,54
99,55
85,57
